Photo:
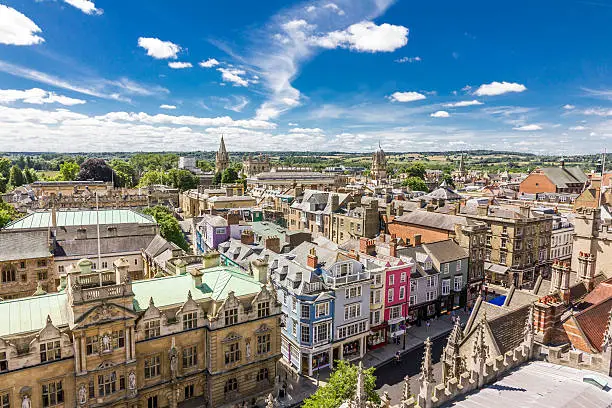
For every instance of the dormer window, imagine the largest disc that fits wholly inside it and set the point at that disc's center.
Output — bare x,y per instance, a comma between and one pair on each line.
231,316
263,309
3,362
152,329
50,351
190,320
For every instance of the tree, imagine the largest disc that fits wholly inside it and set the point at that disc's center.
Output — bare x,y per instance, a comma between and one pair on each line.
415,170
217,178
449,180
168,225
29,175
205,165
95,169
415,184
5,167
69,170
341,386
183,179
229,176
7,213
16,178
126,173
152,177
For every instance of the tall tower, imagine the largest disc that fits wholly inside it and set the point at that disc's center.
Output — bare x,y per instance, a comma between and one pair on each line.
379,165
221,158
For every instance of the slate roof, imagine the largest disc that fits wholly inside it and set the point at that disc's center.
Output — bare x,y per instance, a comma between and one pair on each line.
443,193
157,245
108,245
594,320
562,176
445,251
42,219
432,220
24,245
325,256
508,329
318,197
214,220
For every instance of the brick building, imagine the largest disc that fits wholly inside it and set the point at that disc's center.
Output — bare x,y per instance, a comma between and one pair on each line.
562,179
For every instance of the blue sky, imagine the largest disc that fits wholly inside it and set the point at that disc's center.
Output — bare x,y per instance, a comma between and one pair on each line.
102,75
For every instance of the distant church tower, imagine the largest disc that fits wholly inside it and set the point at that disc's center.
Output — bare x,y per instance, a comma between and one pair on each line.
379,165
221,158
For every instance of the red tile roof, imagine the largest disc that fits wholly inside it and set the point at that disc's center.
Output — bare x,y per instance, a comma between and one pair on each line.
594,320
600,293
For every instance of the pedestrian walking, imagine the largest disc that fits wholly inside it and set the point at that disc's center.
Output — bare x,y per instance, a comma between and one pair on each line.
397,357
428,326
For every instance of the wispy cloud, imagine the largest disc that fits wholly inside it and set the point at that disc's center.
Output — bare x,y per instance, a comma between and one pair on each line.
408,60
499,88
440,114
528,128
179,65
406,96
599,93
462,104
297,34
36,96
99,87
209,63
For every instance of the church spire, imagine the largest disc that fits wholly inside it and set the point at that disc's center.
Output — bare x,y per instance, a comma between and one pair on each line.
221,158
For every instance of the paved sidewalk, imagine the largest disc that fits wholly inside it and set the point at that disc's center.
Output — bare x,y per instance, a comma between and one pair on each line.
301,387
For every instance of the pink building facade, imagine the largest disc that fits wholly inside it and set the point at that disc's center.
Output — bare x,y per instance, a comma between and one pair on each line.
397,296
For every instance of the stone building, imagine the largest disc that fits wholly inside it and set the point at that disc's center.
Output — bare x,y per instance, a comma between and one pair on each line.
252,165
517,243
378,172
107,341
285,179
312,211
26,261
358,219
222,160
123,233
593,236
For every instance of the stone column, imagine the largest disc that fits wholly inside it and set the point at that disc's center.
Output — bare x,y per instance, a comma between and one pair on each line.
133,342
128,344
83,355
76,344
310,365
362,346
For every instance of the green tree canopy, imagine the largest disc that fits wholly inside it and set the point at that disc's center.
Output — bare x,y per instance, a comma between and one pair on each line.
229,176
341,386
415,184
415,170
126,173
152,177
95,169
183,179
205,165
16,178
7,213
69,170
217,178
29,175
5,167
168,225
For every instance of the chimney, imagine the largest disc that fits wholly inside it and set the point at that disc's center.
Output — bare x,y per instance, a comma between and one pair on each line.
259,267
400,210
272,244
416,239
233,219
441,202
524,211
482,210
393,248
335,202
211,259
122,268
196,274
247,237
53,214
430,207
312,261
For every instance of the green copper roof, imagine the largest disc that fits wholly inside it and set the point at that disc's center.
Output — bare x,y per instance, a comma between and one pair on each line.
30,314
42,219
216,284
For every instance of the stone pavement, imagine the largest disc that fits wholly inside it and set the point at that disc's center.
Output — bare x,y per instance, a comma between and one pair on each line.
300,387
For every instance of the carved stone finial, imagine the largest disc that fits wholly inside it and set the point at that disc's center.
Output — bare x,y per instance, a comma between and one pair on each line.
427,365
360,395
49,319
406,390
189,295
151,303
480,349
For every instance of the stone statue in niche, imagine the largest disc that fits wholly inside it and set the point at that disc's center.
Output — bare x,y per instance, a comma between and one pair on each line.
26,402
82,394
173,356
132,381
106,343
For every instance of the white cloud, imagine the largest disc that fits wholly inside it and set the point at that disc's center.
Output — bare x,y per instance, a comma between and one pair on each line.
237,103
170,107
17,29
179,65
366,36
409,60
36,96
597,112
528,128
234,75
86,6
499,88
209,63
461,104
310,9
159,49
334,7
579,127
292,124
569,107
406,96
306,130
440,114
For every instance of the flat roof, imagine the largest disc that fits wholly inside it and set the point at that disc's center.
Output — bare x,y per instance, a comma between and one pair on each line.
42,219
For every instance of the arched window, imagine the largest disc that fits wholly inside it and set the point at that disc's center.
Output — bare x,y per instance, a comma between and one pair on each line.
231,385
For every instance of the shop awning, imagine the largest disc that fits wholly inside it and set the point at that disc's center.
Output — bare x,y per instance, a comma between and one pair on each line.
496,268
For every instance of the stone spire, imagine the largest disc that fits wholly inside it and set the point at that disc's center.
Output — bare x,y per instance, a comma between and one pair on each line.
426,379
528,331
406,390
480,351
452,362
360,394
221,158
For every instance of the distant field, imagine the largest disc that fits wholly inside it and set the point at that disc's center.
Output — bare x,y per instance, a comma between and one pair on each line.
48,174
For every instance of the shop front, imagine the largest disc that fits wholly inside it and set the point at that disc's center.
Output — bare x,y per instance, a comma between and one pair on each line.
351,349
377,337
315,361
